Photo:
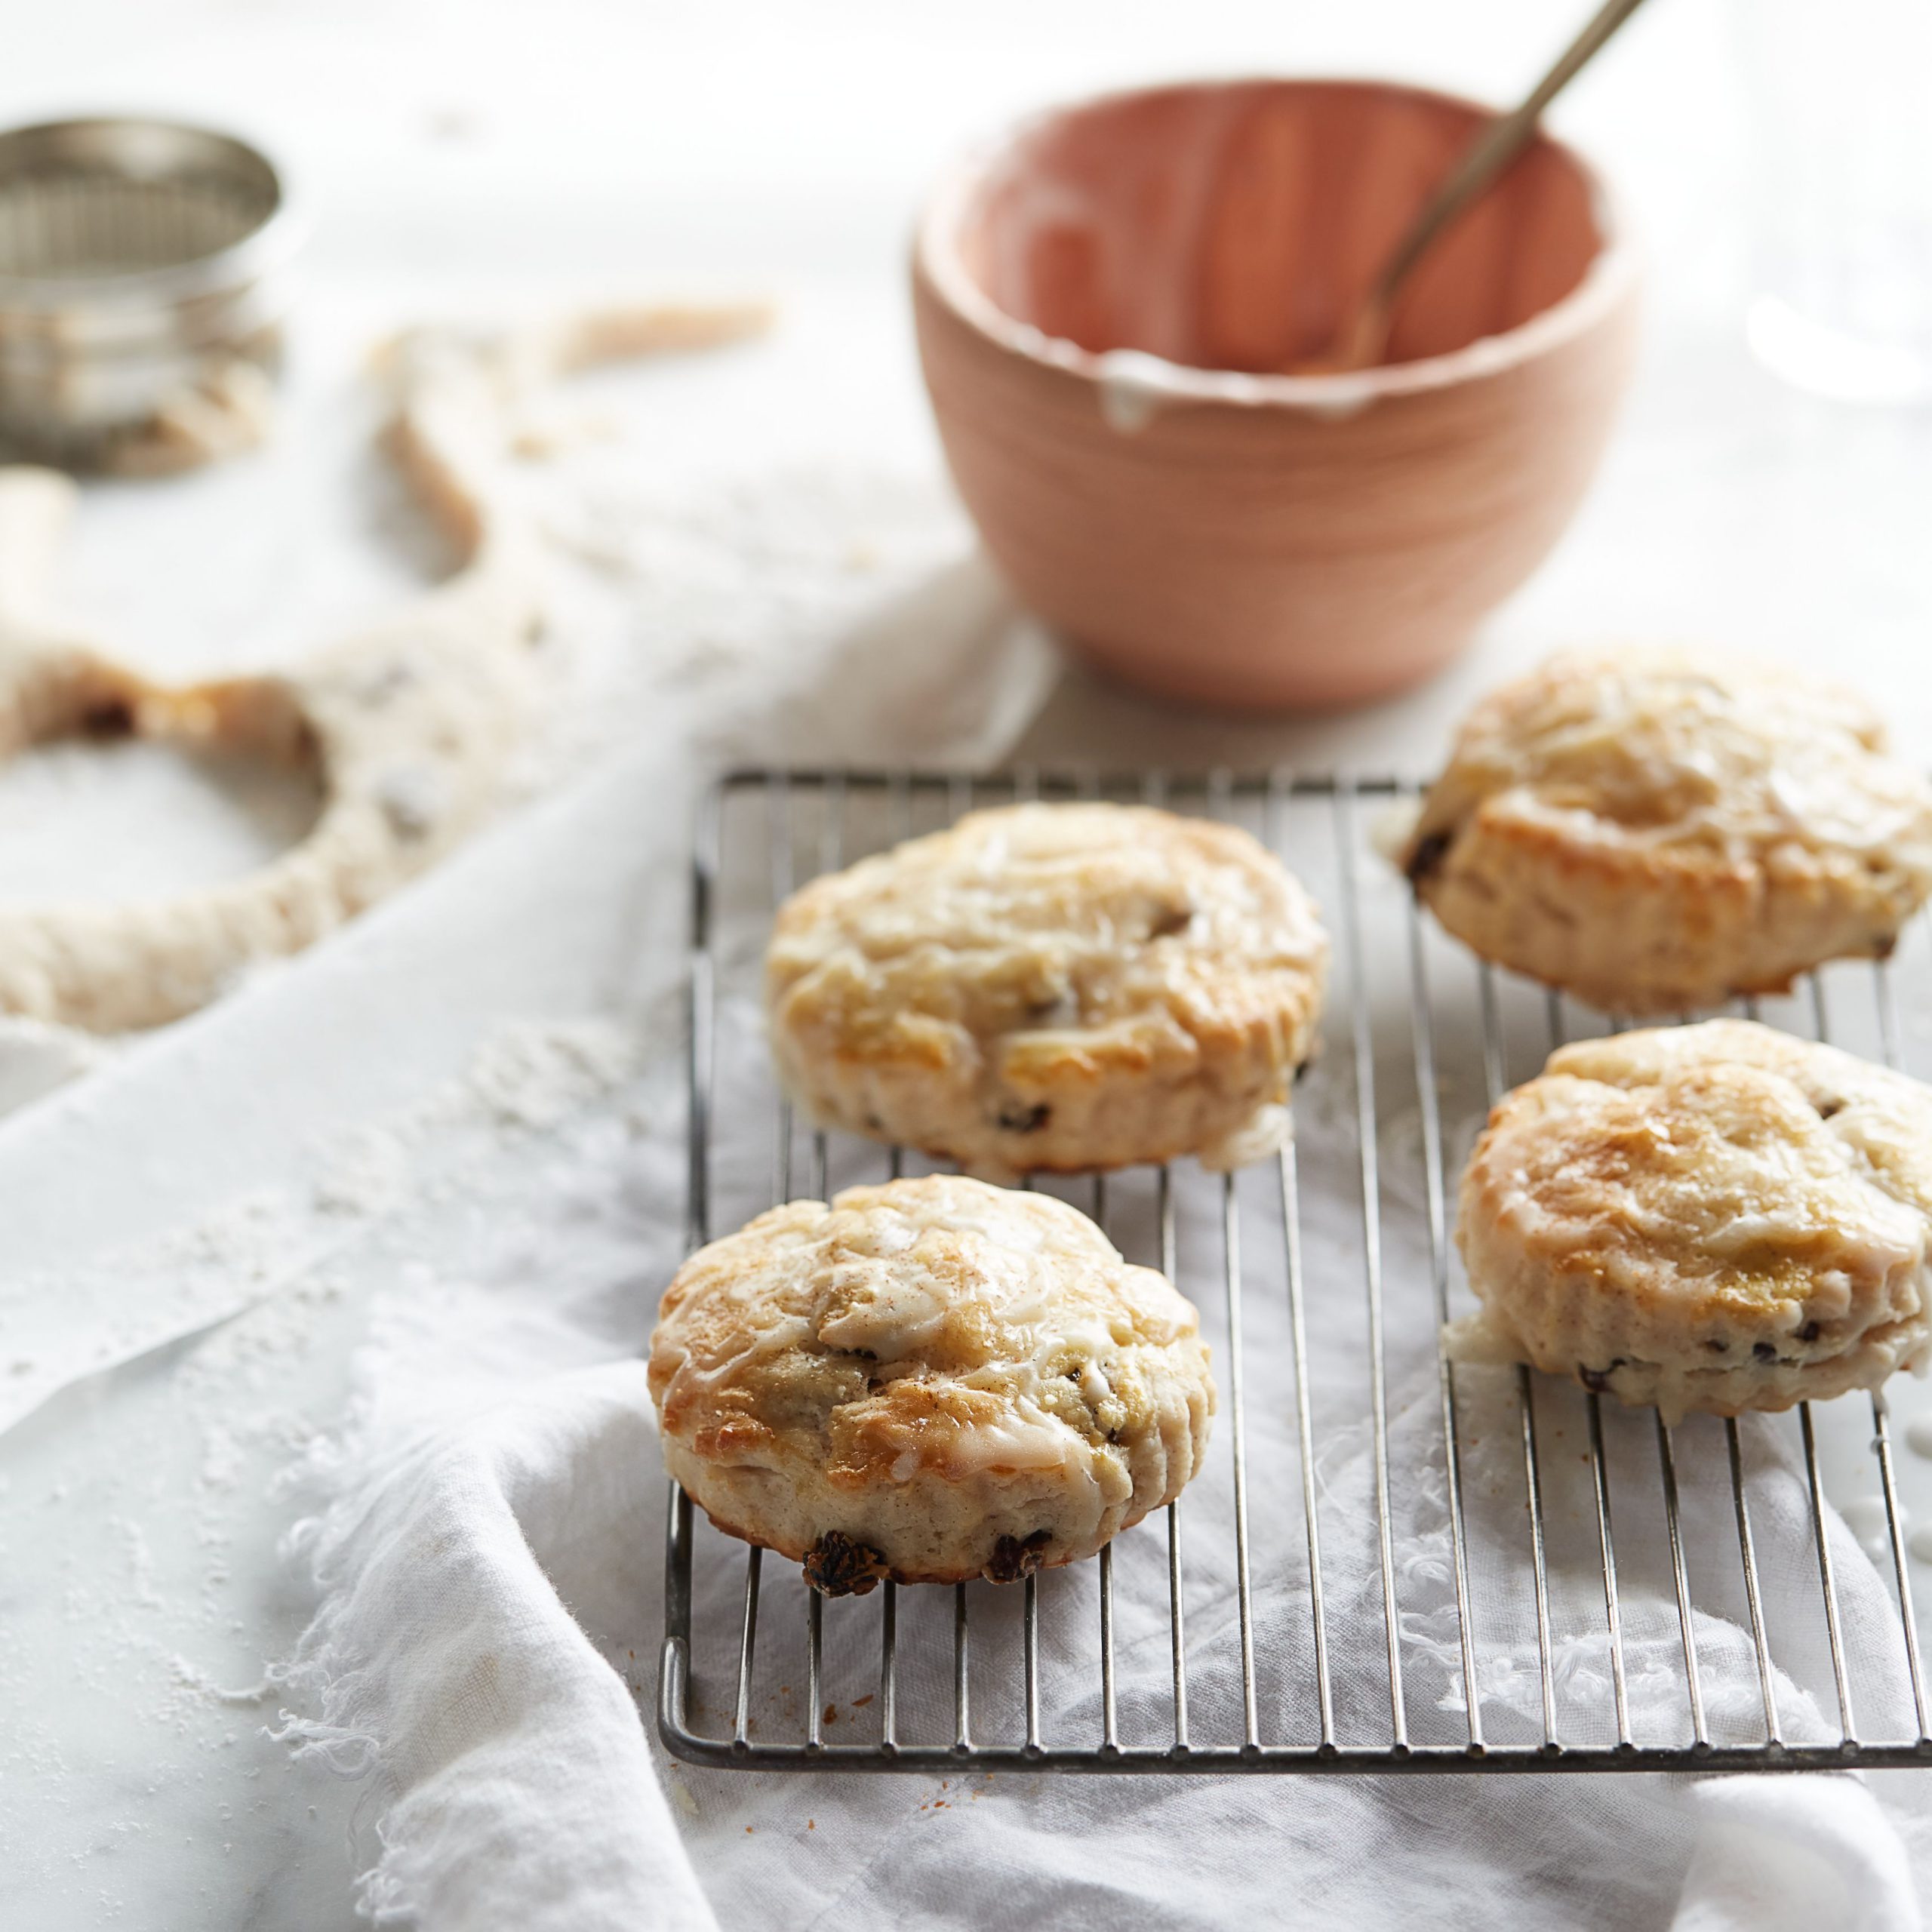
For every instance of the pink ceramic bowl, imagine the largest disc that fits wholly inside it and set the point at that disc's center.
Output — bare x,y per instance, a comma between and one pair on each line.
1106,304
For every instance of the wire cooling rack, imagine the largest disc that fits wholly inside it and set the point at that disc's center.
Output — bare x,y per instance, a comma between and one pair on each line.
1390,1563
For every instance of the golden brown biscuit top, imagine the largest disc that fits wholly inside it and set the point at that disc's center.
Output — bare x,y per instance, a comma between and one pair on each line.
1044,923
1647,747
939,1322
1726,1164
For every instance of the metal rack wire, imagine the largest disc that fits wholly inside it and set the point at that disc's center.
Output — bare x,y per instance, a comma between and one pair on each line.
968,1694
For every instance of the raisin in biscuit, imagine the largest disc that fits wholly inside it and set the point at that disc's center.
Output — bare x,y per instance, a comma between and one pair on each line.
1052,987
1717,1217
931,1380
1657,830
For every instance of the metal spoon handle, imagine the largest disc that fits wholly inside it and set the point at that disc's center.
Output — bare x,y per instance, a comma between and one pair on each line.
1487,156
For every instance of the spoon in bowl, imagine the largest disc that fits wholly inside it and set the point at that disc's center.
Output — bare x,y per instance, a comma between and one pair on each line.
1363,338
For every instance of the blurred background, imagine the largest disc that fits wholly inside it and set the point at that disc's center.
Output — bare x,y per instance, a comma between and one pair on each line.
474,160
461,157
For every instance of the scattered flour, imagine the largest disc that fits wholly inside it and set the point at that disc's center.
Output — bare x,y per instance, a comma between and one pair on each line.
513,1220
718,593
517,1222
535,1076
36,1056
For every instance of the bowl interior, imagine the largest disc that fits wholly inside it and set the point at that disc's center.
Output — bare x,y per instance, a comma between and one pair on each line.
1233,226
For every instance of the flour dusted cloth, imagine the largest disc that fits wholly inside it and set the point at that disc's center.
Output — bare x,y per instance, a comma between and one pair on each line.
517,1787
487,1540
514,1784
490,1555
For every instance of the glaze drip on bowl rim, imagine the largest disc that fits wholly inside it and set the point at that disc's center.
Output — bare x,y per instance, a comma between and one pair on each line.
1137,382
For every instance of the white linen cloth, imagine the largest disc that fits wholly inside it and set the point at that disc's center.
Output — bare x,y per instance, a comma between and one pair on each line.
487,1546
514,1784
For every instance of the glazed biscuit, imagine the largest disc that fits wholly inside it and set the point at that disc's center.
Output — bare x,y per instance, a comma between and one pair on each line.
1655,831
1716,1217
930,1381
1052,987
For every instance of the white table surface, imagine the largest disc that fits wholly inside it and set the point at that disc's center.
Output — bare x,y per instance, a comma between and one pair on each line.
470,155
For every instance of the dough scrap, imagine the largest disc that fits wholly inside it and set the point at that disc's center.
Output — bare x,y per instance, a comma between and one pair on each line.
408,723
